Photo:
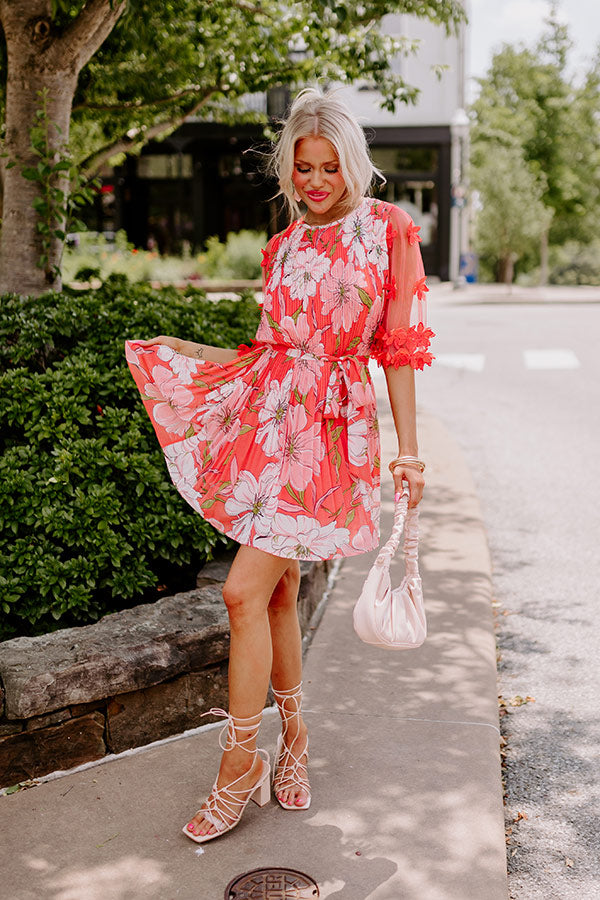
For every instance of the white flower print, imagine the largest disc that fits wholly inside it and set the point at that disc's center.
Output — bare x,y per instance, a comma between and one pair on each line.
303,450
356,234
222,420
378,249
175,410
363,540
357,442
307,366
308,270
272,415
254,503
184,468
340,293
370,326
285,252
368,496
184,366
303,537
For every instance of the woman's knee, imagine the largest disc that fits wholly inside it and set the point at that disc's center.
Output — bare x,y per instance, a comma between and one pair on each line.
286,590
241,600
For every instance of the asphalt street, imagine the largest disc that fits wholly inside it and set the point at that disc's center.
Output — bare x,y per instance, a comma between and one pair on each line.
518,385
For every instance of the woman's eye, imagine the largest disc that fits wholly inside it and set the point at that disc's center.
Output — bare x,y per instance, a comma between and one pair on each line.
301,170
331,171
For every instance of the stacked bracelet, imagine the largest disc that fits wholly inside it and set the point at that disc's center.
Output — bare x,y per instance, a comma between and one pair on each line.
411,461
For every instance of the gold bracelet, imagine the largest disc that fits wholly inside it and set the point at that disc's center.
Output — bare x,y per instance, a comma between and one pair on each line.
412,461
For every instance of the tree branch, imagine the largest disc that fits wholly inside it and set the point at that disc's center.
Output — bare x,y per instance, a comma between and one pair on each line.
86,34
139,104
91,166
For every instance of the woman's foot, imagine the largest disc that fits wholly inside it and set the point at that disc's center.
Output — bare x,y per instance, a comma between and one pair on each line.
290,780
243,775
233,770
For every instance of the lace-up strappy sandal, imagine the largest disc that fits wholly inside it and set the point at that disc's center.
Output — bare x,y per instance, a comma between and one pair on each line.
225,805
289,771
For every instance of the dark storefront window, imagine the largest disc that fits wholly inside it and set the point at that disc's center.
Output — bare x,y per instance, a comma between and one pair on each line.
412,183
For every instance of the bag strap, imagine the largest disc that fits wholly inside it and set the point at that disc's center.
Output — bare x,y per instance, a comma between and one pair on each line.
406,520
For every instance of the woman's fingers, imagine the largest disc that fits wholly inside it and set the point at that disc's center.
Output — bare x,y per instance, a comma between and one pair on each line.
416,483
172,342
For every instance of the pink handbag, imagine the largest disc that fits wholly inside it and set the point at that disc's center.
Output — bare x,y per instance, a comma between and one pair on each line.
394,619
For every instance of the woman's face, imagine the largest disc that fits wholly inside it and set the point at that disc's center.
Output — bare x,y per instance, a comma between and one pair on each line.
318,180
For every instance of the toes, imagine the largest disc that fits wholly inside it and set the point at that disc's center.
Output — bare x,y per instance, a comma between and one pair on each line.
200,827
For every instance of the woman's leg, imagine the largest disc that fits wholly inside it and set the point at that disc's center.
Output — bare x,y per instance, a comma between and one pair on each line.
286,672
252,579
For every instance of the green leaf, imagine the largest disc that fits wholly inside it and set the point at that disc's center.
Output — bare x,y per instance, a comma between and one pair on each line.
366,299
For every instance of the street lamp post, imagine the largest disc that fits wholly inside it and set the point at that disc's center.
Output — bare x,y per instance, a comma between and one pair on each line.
459,144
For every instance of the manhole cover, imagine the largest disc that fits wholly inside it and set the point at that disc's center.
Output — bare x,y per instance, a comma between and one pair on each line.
272,884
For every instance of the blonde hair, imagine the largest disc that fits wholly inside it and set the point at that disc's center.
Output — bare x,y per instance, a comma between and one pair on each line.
314,114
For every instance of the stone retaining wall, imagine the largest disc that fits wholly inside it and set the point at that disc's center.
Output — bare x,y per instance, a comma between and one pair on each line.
132,678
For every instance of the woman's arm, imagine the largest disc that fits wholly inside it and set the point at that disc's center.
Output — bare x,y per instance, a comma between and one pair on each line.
196,351
401,390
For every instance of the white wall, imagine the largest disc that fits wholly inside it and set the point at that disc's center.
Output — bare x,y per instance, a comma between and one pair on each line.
438,99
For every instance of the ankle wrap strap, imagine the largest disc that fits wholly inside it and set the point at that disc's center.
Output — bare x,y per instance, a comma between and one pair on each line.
294,694
234,725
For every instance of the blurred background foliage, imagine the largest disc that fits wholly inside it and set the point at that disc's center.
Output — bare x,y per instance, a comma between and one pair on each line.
92,255
535,163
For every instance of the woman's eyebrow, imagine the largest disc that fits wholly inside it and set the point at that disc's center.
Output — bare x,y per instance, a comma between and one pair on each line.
332,162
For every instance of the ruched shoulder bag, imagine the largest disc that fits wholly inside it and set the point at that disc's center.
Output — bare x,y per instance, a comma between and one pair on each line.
394,618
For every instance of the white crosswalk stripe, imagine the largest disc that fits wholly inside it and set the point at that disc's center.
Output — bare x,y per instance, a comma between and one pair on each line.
473,362
541,360
558,358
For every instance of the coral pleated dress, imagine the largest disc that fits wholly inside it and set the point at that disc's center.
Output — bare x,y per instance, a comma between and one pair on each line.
279,449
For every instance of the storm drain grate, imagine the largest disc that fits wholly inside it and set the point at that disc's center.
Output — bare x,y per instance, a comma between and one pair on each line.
272,884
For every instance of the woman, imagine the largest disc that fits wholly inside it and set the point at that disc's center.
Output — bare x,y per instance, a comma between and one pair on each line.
277,445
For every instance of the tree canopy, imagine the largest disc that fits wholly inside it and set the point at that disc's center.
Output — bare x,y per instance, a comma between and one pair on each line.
144,66
532,106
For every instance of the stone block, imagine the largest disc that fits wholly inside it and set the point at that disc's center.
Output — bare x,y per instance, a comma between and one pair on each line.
312,587
54,718
35,753
125,651
11,727
81,709
140,717
215,572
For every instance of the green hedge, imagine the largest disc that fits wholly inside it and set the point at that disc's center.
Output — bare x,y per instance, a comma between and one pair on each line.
89,519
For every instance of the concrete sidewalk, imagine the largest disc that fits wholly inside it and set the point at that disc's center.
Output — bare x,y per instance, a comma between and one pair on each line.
405,768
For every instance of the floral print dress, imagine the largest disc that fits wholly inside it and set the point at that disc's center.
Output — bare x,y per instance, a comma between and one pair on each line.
279,449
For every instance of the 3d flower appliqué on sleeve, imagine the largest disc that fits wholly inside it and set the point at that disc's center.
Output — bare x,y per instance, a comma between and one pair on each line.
403,338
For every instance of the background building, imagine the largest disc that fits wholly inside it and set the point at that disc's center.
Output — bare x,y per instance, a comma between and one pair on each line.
206,178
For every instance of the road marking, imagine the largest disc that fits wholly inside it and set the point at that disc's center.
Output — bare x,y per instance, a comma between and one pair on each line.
474,362
551,359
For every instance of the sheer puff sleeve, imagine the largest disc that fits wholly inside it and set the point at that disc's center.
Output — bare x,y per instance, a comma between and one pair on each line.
403,338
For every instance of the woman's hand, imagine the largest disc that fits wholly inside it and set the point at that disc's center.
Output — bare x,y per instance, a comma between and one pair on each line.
416,483
172,342
205,352
186,348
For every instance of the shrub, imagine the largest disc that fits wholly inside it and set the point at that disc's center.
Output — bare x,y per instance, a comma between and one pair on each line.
89,519
91,255
238,257
575,263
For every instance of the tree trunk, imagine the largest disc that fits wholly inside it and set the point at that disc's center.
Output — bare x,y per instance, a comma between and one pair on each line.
506,268
21,243
544,256
40,59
